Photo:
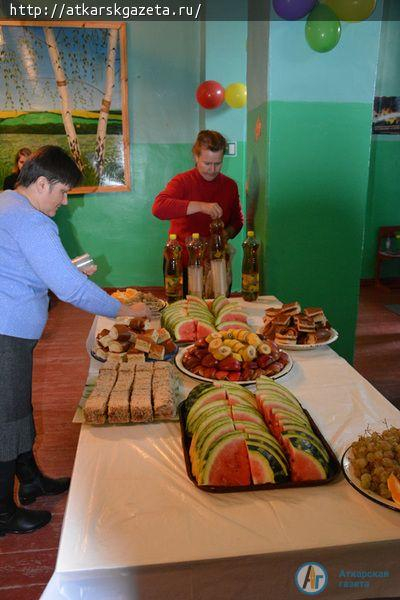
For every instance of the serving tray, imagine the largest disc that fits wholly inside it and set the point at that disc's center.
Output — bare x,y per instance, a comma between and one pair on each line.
334,466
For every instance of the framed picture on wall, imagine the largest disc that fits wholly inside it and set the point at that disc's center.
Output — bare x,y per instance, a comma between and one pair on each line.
66,84
386,117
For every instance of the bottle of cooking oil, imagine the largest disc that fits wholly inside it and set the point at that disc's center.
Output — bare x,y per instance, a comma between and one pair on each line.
217,258
195,268
173,279
250,274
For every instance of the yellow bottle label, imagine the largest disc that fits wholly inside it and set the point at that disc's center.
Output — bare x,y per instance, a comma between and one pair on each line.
173,284
250,283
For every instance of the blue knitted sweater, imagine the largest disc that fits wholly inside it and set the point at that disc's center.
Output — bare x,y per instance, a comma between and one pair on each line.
34,261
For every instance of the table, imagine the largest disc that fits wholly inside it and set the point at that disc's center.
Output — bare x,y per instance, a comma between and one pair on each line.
135,527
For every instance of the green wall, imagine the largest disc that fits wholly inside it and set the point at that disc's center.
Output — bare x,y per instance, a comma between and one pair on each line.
317,198
384,185
307,175
118,229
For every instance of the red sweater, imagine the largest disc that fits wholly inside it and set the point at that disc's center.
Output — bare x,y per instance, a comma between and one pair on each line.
190,186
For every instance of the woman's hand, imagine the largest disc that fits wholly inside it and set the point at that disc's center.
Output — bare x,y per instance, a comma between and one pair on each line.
212,209
139,309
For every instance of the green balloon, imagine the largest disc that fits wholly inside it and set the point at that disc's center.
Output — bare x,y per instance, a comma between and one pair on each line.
322,29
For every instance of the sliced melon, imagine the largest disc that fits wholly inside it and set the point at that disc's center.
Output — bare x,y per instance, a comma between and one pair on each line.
207,416
277,472
233,325
293,442
261,470
185,330
231,315
204,443
227,463
197,410
197,300
218,303
243,413
204,329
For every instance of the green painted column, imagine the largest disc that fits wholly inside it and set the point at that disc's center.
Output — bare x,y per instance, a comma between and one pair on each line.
308,171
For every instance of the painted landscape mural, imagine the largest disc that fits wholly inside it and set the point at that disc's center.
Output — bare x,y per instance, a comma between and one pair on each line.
63,85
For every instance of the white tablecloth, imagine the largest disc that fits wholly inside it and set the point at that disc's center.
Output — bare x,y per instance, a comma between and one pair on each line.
135,527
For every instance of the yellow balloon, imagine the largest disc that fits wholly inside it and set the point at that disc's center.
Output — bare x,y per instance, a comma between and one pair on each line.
236,95
351,10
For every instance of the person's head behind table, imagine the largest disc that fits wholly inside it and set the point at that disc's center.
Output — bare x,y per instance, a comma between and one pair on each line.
46,177
208,151
20,159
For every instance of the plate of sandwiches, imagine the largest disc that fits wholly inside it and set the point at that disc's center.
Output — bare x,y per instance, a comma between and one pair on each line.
131,337
294,328
132,392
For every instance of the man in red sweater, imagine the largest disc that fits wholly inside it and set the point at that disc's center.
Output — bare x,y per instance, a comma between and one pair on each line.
193,199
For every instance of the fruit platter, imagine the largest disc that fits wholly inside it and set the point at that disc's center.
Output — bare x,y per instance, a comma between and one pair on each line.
194,318
236,355
235,440
372,466
131,295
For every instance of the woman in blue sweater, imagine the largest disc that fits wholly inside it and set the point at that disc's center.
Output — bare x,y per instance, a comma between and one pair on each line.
32,262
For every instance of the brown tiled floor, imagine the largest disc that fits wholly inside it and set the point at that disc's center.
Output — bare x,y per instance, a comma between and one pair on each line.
377,355
61,362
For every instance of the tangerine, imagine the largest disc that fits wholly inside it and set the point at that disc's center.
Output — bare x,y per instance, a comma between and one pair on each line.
393,484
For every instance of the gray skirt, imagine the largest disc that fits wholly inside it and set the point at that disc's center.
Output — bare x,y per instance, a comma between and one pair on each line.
17,429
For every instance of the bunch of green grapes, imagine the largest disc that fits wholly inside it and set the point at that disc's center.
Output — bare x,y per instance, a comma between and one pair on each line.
375,456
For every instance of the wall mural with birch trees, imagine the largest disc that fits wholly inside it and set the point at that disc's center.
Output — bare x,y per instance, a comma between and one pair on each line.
67,85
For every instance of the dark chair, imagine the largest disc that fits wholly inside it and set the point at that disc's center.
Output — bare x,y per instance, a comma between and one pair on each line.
387,249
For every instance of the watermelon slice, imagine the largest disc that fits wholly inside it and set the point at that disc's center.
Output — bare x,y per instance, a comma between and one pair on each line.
233,325
204,412
185,331
203,330
228,307
261,471
231,315
305,464
266,466
204,443
196,300
227,463
218,303
246,413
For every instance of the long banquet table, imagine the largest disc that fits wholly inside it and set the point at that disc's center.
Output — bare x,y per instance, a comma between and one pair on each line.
135,526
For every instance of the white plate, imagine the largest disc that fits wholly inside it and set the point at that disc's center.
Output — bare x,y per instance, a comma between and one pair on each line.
355,482
334,336
179,364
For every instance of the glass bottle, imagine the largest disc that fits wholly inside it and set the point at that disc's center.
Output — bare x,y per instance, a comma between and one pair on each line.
250,274
195,268
173,279
217,258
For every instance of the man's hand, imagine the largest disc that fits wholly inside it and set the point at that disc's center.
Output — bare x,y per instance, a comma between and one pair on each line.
139,309
212,209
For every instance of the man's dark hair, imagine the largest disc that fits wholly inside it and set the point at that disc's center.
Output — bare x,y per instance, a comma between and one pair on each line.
50,162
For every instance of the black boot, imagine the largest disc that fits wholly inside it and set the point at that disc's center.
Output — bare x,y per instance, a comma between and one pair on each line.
33,483
14,519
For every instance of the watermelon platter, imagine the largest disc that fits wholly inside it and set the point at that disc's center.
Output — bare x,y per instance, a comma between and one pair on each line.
236,440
